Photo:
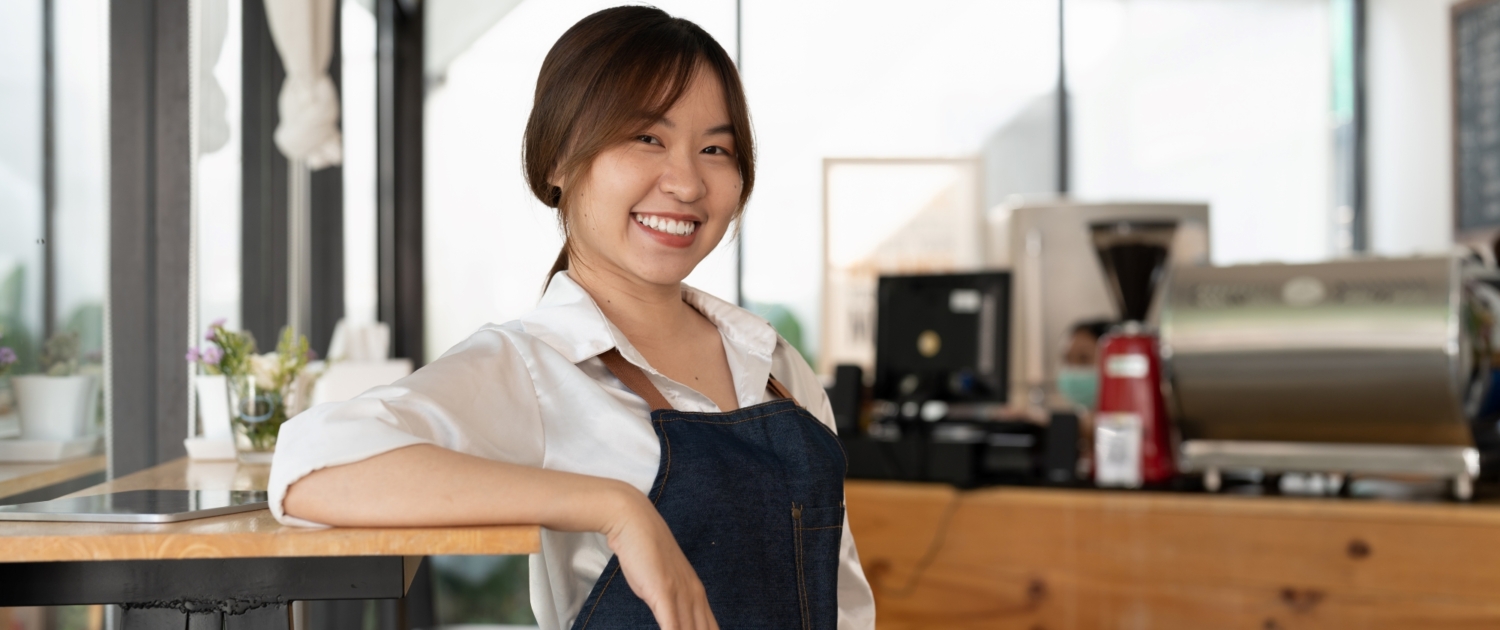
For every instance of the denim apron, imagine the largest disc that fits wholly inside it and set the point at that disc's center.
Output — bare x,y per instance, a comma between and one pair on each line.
755,498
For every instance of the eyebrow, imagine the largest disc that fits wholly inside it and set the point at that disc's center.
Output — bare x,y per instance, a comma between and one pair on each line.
726,128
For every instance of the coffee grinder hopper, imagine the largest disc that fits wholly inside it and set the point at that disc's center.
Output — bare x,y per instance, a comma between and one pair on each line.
1133,254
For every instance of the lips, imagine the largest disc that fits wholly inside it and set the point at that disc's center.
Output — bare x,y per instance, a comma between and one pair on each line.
669,231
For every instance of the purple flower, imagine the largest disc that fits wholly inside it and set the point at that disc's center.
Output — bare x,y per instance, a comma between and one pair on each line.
7,356
312,355
193,355
213,327
211,355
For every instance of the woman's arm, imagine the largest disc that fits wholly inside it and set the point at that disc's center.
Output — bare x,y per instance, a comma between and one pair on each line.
428,486
425,485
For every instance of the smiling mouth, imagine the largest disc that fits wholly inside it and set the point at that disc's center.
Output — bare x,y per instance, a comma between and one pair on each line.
666,226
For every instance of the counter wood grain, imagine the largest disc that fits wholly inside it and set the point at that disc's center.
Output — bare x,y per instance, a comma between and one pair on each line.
246,535
1075,559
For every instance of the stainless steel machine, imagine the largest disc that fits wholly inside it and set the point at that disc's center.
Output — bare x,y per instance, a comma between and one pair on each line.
1367,366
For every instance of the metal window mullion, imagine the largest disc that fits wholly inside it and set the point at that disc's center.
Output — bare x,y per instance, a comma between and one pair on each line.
49,169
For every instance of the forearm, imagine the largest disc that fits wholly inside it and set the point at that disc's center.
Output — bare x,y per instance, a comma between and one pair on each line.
427,485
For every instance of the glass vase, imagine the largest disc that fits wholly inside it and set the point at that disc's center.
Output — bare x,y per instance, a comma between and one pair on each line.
257,415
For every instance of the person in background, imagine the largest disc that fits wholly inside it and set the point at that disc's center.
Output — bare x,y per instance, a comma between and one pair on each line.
679,455
1078,375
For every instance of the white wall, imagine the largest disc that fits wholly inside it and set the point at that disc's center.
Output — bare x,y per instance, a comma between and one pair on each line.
1410,183
1225,102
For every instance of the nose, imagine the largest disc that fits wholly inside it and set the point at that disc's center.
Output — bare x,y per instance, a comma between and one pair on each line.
682,179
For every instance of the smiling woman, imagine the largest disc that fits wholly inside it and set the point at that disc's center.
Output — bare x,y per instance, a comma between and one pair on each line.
663,103
572,416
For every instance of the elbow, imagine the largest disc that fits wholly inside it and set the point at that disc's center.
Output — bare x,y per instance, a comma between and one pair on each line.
296,501
305,500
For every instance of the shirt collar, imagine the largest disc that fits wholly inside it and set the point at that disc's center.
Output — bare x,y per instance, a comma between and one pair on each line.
568,320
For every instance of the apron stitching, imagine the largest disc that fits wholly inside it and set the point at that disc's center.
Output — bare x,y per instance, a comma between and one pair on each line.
801,583
666,466
800,412
808,529
802,577
600,598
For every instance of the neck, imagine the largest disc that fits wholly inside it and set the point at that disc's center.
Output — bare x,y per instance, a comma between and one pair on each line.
646,312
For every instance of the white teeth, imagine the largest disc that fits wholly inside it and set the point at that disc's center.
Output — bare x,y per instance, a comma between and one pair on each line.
669,226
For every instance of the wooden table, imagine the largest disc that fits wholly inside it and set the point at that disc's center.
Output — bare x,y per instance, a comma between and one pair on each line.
20,480
1074,559
245,568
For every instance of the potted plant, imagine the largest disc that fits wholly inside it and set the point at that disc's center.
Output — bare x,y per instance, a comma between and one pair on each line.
212,387
263,389
7,360
58,402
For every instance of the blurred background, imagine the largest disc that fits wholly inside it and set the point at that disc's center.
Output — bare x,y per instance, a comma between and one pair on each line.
895,138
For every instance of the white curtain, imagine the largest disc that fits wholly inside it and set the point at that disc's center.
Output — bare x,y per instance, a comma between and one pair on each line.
309,104
213,124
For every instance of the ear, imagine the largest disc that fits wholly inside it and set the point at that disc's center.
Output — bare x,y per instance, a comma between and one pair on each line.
556,180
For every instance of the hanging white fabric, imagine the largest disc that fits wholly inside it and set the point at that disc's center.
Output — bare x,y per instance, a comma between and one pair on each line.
213,105
309,104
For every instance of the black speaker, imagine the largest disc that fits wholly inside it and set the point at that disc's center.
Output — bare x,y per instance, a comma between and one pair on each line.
847,396
1060,464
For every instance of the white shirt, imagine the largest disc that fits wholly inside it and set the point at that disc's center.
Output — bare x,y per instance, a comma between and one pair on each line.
534,392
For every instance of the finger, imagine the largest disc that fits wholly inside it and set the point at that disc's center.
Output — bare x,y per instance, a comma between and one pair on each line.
686,612
666,616
706,616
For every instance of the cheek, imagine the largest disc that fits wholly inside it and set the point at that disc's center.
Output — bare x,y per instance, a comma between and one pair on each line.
619,180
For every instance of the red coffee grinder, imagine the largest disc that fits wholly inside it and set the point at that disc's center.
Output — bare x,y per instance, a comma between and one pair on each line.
1132,433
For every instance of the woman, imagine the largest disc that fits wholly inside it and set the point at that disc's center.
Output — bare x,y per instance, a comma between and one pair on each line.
653,430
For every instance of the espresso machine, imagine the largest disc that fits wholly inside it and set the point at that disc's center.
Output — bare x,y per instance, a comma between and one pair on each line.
1367,367
1133,442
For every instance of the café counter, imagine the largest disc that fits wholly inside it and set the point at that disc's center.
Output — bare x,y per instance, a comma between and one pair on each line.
1057,559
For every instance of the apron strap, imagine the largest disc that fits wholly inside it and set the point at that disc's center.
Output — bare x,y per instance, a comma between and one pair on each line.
636,381
781,391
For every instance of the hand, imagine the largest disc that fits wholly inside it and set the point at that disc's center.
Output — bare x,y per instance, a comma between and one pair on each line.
655,567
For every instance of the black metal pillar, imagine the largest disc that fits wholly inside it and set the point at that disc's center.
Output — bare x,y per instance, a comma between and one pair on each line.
1064,186
150,204
401,90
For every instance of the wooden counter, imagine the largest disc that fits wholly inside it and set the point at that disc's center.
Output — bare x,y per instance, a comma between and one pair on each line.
246,535
19,478
1063,559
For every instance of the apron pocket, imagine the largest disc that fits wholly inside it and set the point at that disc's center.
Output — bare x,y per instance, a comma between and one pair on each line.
818,532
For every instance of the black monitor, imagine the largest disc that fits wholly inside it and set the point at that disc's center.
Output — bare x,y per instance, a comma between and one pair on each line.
943,337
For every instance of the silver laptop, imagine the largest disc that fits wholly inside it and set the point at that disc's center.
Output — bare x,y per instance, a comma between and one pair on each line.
138,506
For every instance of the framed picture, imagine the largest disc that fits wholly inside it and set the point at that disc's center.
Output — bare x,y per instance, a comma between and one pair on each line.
890,216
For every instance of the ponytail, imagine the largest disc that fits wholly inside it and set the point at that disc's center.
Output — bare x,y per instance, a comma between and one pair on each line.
560,265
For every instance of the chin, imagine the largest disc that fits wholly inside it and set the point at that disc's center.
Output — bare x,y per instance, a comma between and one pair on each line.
664,274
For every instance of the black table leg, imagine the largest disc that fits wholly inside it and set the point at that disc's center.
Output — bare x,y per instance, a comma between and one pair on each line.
263,618
208,620
152,619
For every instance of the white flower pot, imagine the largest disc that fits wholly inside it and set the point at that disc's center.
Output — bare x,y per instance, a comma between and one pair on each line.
213,406
55,407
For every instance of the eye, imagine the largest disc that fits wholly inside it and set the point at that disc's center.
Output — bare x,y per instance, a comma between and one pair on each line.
648,139
716,151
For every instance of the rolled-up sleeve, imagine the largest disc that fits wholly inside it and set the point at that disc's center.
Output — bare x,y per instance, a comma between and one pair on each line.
477,399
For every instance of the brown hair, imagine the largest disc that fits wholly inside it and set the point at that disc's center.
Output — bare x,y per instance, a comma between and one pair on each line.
611,75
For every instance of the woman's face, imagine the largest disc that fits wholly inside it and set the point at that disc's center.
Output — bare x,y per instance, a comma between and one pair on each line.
652,207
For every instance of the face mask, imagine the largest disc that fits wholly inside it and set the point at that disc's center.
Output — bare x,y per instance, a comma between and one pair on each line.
1078,384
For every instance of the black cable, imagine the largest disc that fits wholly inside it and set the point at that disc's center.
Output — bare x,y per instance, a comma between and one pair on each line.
930,555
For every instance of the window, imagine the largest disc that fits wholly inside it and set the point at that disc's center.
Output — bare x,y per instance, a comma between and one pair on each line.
53,196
